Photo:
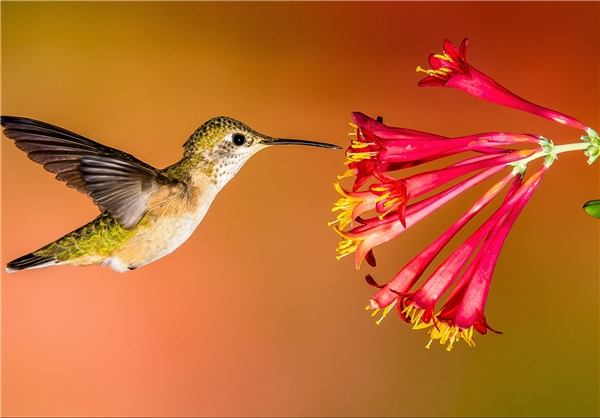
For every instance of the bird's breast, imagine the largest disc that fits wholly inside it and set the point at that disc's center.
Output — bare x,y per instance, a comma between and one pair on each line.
162,230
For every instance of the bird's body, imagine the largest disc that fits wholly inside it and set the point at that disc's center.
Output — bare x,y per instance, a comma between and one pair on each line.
104,241
146,212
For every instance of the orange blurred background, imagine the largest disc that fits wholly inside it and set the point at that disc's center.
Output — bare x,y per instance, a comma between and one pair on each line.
253,315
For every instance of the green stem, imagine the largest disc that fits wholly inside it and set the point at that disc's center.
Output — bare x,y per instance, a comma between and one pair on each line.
577,146
550,153
553,150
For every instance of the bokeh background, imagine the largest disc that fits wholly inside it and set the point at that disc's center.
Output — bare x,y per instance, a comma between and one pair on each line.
253,315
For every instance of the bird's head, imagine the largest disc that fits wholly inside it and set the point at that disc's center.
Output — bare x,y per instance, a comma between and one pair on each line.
225,144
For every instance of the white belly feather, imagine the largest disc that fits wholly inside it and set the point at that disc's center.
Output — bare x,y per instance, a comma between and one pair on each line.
161,236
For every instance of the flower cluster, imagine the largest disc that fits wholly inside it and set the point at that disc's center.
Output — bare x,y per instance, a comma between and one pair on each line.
396,203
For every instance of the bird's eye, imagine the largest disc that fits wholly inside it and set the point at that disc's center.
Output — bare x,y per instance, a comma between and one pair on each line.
239,139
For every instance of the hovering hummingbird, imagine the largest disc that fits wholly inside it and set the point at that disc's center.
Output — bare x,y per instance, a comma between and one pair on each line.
146,213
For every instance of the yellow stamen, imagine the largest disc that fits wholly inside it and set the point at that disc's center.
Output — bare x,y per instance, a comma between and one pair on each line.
347,173
359,156
344,217
416,320
379,189
440,73
359,144
346,204
439,330
444,56
422,325
450,334
347,246
386,311
384,214
342,255
414,314
383,196
391,202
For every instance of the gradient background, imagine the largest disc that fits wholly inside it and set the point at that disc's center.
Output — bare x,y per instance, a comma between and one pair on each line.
253,315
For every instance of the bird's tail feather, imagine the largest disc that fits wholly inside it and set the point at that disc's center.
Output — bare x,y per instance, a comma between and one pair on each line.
30,261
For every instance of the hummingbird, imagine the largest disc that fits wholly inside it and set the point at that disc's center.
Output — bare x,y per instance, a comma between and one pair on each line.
146,212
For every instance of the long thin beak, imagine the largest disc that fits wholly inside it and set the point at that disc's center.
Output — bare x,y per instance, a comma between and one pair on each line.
286,141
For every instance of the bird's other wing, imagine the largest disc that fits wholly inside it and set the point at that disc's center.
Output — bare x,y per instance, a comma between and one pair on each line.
116,181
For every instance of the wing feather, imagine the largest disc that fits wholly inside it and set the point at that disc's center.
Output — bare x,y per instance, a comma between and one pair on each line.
117,182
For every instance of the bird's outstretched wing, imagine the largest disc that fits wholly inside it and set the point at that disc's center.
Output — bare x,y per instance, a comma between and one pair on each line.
116,181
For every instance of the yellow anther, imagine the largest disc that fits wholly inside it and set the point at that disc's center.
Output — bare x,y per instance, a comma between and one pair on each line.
423,325
347,173
417,319
344,245
360,144
391,202
453,337
358,156
339,257
440,73
421,70
347,245
384,214
444,56
382,197
449,334
346,204
386,310
380,189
